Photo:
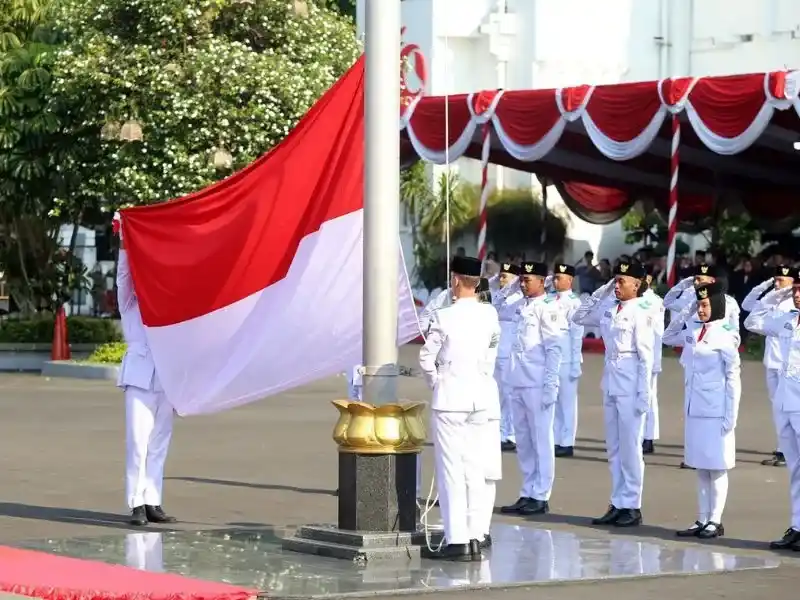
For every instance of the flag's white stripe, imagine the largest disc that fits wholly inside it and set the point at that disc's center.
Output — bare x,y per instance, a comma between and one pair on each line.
302,328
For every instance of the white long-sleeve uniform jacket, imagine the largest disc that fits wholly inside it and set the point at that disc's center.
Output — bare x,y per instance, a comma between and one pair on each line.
138,369
459,355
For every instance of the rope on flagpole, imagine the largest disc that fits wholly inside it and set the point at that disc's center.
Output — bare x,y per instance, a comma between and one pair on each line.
672,223
485,151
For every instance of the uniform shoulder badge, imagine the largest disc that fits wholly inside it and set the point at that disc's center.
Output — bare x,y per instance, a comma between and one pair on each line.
495,341
728,327
645,304
549,298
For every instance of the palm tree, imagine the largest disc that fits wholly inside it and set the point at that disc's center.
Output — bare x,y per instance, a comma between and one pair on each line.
450,208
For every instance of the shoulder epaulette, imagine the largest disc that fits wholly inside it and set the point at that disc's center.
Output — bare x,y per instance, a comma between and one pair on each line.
549,299
645,304
728,326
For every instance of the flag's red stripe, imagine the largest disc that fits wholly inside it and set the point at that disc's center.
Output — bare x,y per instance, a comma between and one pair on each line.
205,251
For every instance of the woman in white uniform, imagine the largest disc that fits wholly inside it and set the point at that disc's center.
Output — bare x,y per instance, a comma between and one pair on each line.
713,387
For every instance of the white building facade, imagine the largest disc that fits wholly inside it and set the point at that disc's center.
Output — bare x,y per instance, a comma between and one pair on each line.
470,45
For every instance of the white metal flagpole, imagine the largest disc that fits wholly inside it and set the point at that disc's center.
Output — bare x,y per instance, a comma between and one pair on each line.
381,199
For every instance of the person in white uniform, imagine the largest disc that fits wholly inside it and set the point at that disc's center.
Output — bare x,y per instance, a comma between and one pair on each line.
652,429
712,391
492,449
457,361
565,420
506,298
626,326
770,318
682,294
773,350
533,375
148,413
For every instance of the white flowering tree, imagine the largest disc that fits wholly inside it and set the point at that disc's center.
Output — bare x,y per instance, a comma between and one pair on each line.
106,103
179,93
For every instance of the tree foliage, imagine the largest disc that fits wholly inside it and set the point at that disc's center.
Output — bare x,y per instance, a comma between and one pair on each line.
201,80
198,76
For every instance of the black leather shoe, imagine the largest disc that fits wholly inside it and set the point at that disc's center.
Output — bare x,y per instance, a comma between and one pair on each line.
513,509
611,516
711,530
475,551
777,460
564,451
486,542
790,539
156,514
138,517
685,466
424,502
508,446
535,507
629,517
455,552
691,531
648,447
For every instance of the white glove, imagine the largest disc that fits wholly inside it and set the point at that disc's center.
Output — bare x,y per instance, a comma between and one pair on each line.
727,425
642,405
575,370
117,224
777,296
604,291
549,397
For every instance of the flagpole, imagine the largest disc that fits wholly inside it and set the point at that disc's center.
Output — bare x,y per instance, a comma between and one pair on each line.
381,199
378,514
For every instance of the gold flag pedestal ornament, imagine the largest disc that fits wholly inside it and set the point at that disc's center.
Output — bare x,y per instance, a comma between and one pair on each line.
389,429
378,447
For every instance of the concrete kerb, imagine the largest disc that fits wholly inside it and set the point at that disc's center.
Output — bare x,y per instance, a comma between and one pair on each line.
78,370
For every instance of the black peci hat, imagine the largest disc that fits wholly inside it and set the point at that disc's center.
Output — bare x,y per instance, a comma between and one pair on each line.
564,269
466,265
509,268
708,290
706,270
630,269
534,268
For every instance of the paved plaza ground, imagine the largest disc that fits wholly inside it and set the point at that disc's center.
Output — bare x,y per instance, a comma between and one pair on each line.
273,463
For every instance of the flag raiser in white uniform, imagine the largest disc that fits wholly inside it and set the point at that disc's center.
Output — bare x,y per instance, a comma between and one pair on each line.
458,361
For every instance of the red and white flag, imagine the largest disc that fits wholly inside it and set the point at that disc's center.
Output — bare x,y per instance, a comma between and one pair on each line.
254,285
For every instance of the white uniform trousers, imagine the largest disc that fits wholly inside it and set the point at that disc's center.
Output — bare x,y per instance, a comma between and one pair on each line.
148,429
460,473
506,414
712,492
533,424
624,436
565,420
144,551
790,446
652,429
493,471
773,376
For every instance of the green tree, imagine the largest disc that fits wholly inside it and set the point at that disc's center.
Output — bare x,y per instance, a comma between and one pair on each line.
32,157
184,92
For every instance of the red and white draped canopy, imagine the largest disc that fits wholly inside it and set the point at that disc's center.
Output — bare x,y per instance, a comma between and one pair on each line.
610,145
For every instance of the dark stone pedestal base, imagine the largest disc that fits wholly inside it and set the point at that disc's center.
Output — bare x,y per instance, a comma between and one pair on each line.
378,513
361,547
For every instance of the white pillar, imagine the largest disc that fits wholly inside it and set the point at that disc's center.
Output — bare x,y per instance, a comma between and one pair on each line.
381,199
